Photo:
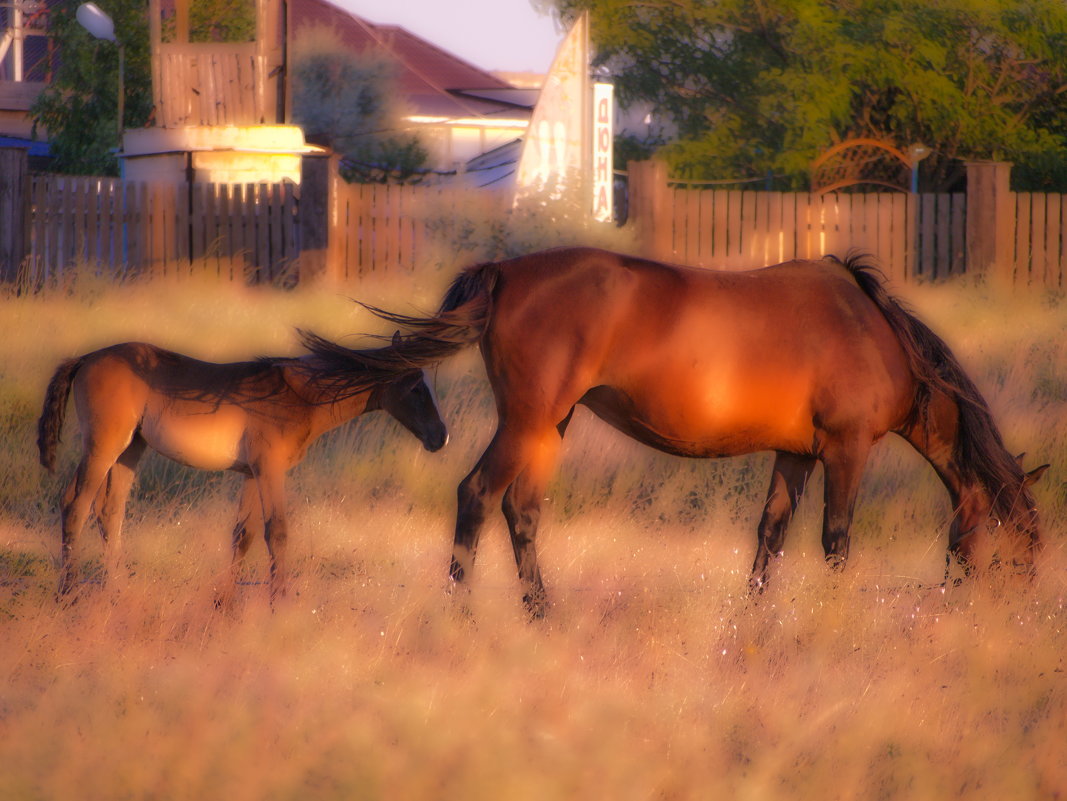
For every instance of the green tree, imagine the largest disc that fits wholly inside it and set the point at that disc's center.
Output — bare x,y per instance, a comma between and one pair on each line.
79,109
215,21
758,86
349,101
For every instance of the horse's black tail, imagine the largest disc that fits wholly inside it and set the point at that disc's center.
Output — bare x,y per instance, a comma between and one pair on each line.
979,449
54,411
459,322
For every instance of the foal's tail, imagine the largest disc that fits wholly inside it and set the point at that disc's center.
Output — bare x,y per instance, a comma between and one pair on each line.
54,411
979,450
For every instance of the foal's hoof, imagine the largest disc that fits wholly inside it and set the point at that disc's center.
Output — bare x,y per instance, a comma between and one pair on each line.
835,562
536,607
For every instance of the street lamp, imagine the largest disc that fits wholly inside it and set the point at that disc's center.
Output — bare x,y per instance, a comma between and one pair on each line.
101,26
916,153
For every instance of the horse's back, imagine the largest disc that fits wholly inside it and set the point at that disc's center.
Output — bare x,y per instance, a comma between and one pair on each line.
717,361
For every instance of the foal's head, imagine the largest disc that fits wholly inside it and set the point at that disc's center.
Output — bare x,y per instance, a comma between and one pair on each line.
412,402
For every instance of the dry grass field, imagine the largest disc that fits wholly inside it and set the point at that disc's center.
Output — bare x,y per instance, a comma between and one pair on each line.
654,677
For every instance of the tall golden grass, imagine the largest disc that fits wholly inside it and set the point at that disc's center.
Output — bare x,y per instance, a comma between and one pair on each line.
655,675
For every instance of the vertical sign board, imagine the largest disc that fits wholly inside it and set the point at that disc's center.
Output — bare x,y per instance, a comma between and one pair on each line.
603,156
554,154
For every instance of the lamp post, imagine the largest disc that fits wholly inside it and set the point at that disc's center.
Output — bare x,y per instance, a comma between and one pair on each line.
101,26
916,153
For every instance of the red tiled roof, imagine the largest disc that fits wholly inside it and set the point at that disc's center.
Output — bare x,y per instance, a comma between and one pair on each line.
427,73
427,60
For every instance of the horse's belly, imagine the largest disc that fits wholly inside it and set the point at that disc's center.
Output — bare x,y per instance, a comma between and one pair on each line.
716,419
209,441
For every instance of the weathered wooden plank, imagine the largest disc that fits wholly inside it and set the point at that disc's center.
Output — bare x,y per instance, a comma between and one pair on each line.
733,229
901,236
959,233
1053,232
181,226
751,230
773,246
364,205
788,238
1022,239
135,228
42,229
262,232
926,266
277,230
1037,238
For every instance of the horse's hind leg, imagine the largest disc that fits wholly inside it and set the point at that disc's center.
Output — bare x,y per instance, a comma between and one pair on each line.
111,499
76,505
506,456
789,476
522,509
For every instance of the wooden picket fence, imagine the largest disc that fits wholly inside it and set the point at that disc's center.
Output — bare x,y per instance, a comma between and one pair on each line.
1041,240
383,227
255,232
1017,239
912,236
121,228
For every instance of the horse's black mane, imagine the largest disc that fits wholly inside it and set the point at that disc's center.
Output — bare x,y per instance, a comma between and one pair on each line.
980,453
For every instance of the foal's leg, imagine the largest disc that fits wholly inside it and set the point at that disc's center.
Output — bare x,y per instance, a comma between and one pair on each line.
788,478
111,499
522,509
77,504
843,461
270,481
249,525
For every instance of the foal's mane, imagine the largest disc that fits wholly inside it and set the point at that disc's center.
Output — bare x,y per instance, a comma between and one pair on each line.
979,450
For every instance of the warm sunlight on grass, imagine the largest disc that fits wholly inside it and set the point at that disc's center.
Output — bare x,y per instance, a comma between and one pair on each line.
655,675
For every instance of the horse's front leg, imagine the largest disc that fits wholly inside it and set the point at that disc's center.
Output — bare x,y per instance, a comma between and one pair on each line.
843,460
788,479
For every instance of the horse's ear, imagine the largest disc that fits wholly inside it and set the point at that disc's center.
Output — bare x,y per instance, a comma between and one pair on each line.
1019,459
1034,475
396,337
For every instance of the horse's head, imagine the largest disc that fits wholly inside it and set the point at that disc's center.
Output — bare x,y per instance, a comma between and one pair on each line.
1011,520
412,402
1023,523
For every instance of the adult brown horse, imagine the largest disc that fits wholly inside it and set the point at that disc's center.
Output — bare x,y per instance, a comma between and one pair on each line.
257,418
811,359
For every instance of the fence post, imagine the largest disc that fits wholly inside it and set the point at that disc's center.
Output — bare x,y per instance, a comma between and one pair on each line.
313,217
991,221
14,211
650,208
